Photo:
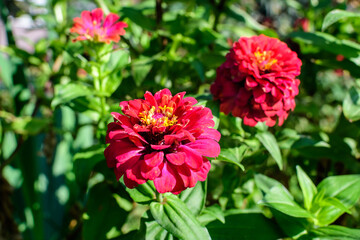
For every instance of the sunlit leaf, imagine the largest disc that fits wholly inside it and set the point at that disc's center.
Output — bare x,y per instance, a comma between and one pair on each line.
270,143
336,15
176,218
307,186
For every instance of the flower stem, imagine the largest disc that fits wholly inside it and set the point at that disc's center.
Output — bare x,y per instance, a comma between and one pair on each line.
98,85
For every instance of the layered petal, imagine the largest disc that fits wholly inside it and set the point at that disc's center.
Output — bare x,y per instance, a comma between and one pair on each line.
269,69
163,138
93,27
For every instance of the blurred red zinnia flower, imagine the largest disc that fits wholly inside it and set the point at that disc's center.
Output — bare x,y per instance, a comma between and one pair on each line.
257,82
163,138
92,26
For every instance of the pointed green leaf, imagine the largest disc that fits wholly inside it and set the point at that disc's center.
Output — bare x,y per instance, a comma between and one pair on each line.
334,232
351,104
336,203
279,199
233,155
336,15
307,187
173,215
195,197
143,193
344,188
215,211
270,143
265,183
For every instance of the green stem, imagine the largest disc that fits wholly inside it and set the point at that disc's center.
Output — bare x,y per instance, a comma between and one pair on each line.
98,85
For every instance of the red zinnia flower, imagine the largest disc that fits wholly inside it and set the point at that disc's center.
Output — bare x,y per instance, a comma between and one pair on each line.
258,81
163,138
92,26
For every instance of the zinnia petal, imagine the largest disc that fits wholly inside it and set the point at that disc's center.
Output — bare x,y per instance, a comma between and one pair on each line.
270,69
162,138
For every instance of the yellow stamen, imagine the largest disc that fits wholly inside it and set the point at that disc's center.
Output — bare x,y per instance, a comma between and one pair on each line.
265,59
162,117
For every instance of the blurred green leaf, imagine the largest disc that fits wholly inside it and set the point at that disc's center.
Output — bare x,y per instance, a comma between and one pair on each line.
329,43
66,93
136,16
242,225
265,183
335,232
336,203
85,161
307,187
336,15
199,68
140,69
29,125
270,143
279,199
173,215
26,125
240,15
233,155
215,110
6,71
103,213
195,197
216,212
351,104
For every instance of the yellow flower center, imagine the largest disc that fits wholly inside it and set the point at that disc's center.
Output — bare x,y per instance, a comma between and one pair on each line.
265,59
162,117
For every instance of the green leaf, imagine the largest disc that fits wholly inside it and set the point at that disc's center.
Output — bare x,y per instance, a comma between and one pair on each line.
233,155
6,69
173,215
265,183
195,197
114,66
155,231
149,230
143,193
280,200
292,226
103,213
136,16
66,93
336,203
85,161
240,15
336,15
216,212
335,232
307,187
242,225
344,188
140,69
351,104
29,125
215,110
199,68
269,142
329,43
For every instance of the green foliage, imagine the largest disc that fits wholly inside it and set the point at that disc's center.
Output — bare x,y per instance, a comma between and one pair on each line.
294,181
